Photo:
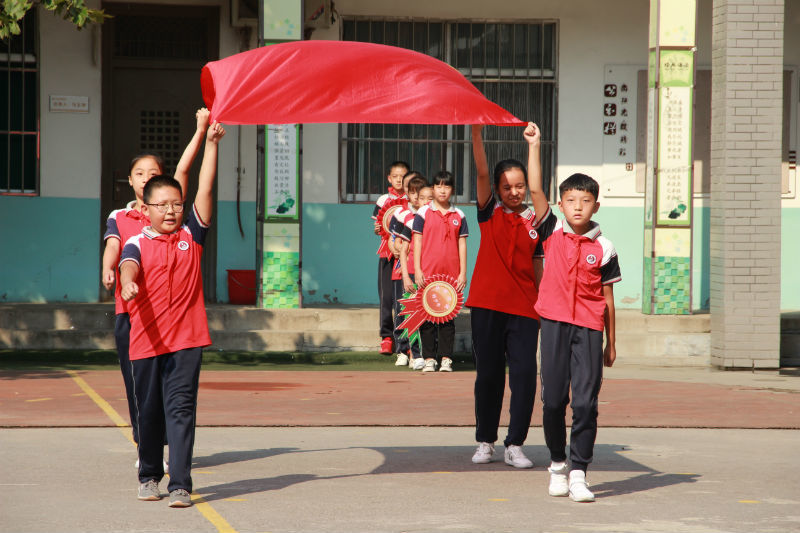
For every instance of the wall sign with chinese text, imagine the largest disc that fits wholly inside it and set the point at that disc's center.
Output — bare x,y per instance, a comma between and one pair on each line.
281,171
619,131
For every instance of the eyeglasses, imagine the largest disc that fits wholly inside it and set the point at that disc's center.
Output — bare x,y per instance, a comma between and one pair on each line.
177,207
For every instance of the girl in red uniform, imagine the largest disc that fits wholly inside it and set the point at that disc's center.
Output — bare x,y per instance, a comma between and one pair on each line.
505,326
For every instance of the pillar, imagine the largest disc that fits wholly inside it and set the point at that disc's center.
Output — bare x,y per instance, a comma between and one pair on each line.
746,131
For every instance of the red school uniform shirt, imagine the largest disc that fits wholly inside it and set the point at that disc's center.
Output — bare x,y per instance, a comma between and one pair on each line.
440,233
122,224
391,194
401,229
575,269
503,278
169,313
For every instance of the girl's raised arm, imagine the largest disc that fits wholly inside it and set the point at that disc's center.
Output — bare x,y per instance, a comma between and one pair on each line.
484,184
538,197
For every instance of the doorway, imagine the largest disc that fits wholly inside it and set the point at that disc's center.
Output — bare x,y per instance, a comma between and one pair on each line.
152,58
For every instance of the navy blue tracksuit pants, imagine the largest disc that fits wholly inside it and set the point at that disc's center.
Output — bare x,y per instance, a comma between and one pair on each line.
122,336
385,297
571,356
165,390
498,337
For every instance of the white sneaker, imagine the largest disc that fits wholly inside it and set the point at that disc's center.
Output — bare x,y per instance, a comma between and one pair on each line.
447,365
516,458
418,363
430,365
402,360
484,453
559,486
579,488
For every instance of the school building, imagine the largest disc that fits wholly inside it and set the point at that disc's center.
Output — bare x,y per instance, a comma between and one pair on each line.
75,106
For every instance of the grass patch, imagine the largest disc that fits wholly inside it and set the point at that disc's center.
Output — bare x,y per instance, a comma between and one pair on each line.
43,360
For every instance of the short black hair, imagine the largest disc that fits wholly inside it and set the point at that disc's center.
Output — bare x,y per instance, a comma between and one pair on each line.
445,178
401,164
579,182
156,157
156,182
508,164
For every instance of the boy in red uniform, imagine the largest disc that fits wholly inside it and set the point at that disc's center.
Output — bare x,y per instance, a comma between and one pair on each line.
440,244
161,279
397,170
576,301
121,225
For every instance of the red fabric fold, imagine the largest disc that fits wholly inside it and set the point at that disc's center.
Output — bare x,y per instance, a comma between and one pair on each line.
343,82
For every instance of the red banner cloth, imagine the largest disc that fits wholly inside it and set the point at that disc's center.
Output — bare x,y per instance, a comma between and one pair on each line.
343,82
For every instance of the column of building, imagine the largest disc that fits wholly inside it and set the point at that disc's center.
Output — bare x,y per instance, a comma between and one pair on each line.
747,70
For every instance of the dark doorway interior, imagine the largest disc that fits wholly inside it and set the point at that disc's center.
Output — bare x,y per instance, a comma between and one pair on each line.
152,57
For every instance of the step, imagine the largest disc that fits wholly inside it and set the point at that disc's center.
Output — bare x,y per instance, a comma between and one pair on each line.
646,339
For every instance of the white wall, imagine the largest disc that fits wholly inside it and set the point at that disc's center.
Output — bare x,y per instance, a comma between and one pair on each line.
70,64
70,142
591,35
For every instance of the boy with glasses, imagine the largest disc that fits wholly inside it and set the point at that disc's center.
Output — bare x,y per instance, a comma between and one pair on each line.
161,279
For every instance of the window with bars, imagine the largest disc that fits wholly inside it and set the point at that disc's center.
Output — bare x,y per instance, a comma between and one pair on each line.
19,110
513,64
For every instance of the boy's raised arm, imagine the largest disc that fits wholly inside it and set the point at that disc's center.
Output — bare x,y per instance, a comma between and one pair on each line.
190,152
484,187
538,197
204,201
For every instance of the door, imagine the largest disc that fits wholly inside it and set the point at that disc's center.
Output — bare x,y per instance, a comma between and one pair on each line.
152,57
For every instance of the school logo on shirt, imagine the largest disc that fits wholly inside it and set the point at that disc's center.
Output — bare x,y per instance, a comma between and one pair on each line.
455,222
591,259
183,246
532,233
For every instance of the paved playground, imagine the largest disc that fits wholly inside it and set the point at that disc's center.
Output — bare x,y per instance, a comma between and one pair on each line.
678,450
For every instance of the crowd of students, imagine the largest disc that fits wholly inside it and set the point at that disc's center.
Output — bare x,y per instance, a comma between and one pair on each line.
534,273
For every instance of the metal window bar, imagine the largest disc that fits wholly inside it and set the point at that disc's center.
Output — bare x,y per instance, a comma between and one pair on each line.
20,130
535,81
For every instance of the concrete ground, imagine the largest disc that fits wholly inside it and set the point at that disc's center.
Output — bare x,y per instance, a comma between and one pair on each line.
330,451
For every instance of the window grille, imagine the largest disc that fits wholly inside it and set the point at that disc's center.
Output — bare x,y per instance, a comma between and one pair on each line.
511,63
19,110
162,38
159,133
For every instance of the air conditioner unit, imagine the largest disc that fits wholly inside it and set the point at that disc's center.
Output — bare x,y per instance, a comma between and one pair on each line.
244,13
317,14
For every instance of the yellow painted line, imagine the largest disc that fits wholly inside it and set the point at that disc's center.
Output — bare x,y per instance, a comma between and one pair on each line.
749,501
39,400
203,506
78,394
101,403
498,499
442,472
235,499
202,472
333,413
212,515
